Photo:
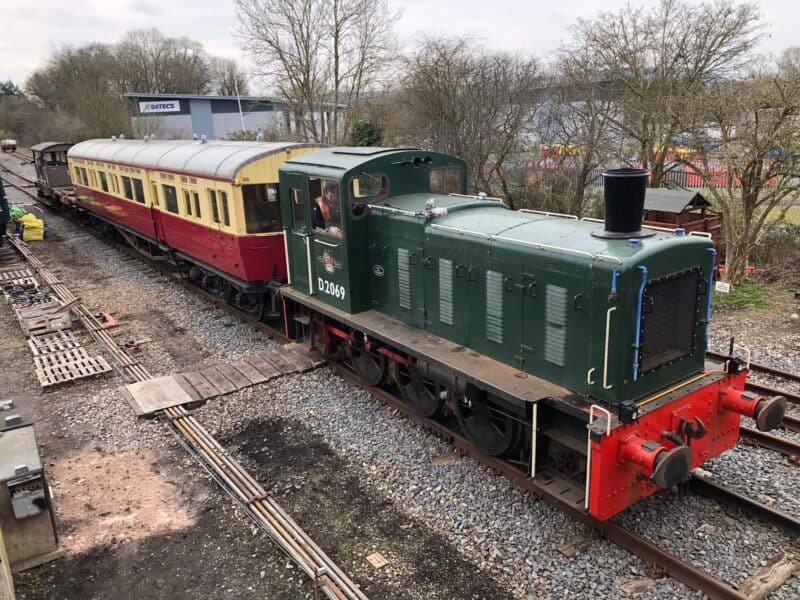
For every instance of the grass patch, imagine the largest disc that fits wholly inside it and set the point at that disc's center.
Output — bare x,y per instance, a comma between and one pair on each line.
744,296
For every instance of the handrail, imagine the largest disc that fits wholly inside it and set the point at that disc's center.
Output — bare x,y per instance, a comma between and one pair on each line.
638,330
548,214
605,349
713,253
592,408
476,197
393,209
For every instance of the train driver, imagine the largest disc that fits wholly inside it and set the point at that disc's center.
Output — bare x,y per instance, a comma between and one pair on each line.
325,210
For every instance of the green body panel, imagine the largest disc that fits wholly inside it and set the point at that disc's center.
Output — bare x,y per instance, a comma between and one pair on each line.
529,289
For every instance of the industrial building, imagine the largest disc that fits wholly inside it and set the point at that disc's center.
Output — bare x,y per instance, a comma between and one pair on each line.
173,116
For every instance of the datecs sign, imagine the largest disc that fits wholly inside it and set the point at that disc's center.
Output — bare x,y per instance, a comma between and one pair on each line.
160,106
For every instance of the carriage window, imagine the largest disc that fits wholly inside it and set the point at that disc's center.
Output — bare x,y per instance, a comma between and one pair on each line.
127,187
170,198
298,210
188,202
447,180
212,200
103,181
326,213
196,197
366,188
138,188
78,175
114,184
261,210
226,220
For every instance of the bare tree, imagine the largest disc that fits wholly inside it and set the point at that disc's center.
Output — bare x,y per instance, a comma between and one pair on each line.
746,142
149,61
79,82
320,55
460,98
228,80
577,123
658,61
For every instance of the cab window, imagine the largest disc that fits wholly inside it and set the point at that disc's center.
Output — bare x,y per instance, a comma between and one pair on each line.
326,213
261,210
366,188
447,180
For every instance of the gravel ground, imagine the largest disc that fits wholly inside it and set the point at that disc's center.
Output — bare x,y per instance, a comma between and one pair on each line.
479,518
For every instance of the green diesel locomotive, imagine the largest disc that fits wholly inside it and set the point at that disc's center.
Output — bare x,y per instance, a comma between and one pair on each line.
573,347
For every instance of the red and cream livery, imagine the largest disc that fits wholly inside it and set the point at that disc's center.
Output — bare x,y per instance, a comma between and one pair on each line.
211,206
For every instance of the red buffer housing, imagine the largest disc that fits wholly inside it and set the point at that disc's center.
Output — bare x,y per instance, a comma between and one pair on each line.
682,429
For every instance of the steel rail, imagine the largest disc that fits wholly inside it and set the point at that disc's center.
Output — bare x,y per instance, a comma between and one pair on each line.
791,422
770,441
772,391
759,367
704,485
327,576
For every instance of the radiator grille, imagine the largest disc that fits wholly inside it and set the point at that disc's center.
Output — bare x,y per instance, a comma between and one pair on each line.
555,325
404,277
446,291
494,306
669,318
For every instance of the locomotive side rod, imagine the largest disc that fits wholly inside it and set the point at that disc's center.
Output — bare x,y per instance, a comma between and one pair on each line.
646,550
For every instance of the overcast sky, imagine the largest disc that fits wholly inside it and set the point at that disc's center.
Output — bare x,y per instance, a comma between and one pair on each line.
30,31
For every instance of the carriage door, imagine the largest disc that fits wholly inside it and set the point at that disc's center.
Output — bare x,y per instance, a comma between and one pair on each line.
155,213
297,227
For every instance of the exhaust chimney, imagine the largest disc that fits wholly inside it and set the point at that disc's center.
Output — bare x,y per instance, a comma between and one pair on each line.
623,191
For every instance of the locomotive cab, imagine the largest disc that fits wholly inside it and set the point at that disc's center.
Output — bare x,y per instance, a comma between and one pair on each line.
329,197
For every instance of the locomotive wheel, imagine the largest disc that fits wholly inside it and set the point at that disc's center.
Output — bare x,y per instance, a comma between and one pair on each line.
371,366
422,396
492,431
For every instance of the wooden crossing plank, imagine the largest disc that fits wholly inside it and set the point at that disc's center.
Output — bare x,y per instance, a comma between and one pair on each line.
234,376
266,368
301,355
218,380
187,387
48,343
283,365
250,372
61,373
200,384
152,395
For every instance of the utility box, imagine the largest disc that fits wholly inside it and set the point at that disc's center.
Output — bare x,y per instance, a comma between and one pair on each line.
27,520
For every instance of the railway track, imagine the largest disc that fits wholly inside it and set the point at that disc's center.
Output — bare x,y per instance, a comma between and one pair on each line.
328,578
248,492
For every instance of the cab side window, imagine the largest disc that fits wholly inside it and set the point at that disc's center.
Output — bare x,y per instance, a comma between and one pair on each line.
326,212
447,180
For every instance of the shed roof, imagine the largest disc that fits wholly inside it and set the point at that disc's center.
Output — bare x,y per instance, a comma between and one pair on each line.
673,201
44,146
211,158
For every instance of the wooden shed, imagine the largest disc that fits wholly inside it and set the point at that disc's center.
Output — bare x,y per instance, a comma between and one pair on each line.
682,208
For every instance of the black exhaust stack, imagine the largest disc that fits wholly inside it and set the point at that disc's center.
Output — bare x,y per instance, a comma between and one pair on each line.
623,191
